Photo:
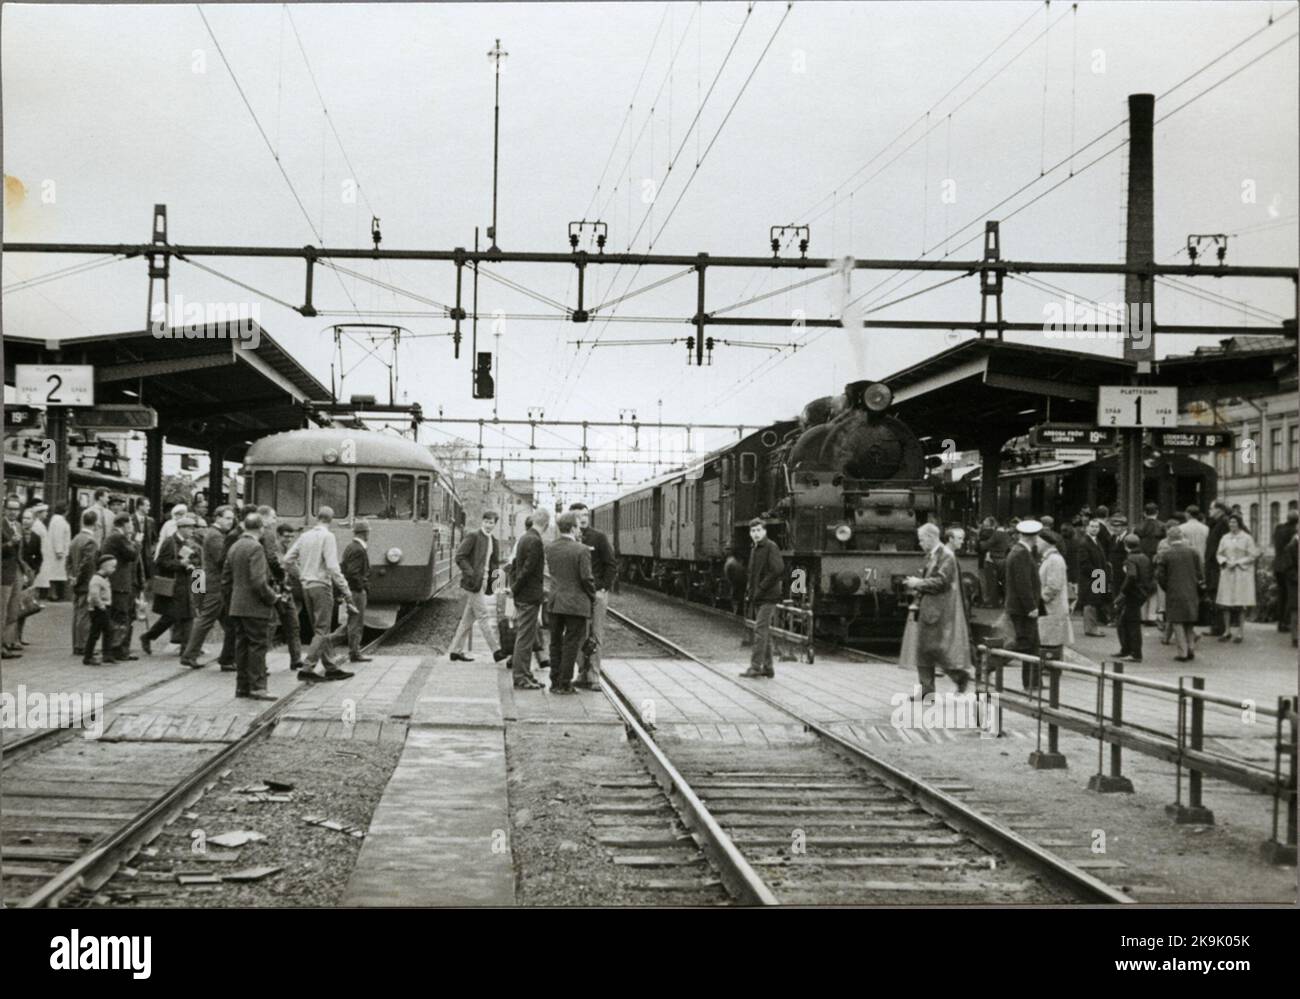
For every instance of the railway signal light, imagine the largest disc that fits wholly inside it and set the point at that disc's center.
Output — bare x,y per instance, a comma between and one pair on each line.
484,388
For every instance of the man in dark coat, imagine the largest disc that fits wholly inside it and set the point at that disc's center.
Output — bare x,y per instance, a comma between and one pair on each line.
11,576
478,558
212,553
245,576
1137,583
528,590
1024,600
177,560
1180,570
763,589
573,591
355,565
1150,533
1288,560
145,531
128,580
1282,536
1093,575
993,544
83,557
603,569
1218,528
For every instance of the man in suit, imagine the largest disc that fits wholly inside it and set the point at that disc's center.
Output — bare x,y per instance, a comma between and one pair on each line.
127,582
478,558
145,530
1180,571
763,586
1136,583
11,576
285,610
212,553
1024,600
1150,533
356,570
528,589
1282,536
603,569
1210,556
103,519
83,556
252,607
569,562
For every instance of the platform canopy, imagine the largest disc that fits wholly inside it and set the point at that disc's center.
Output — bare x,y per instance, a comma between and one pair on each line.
214,392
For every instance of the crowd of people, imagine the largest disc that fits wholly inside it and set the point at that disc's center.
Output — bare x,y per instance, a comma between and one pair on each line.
555,583
241,568
1171,574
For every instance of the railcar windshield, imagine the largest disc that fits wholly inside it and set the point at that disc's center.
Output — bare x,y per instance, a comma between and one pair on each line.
290,494
330,489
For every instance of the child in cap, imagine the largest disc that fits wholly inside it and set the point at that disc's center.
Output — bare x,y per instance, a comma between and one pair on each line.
99,597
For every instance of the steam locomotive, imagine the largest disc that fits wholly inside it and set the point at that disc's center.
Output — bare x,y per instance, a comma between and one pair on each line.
842,491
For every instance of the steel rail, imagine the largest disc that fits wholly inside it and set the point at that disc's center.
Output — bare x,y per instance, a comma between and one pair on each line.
984,830
99,864
744,883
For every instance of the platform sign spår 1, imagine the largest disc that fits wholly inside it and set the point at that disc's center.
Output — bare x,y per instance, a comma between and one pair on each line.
54,384
1137,406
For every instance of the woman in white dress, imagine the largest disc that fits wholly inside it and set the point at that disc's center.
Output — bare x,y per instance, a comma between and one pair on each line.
1236,557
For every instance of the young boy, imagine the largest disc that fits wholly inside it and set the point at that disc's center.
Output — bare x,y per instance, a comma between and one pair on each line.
99,597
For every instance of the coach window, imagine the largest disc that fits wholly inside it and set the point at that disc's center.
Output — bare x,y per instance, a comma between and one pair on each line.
422,499
290,494
402,503
748,468
330,489
263,488
372,495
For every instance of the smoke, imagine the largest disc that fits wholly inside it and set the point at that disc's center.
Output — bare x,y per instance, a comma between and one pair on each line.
851,315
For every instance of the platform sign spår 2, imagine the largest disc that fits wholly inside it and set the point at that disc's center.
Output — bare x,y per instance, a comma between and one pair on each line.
54,384
1137,406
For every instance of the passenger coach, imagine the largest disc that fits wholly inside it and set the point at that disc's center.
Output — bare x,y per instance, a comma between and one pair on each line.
394,484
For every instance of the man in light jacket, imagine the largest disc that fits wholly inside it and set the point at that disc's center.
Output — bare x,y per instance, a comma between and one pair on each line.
1055,630
942,639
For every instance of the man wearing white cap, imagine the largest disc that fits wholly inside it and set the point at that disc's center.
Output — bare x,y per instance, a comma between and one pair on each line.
1024,601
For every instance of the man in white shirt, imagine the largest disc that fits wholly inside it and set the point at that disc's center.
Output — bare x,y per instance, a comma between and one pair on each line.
479,559
316,554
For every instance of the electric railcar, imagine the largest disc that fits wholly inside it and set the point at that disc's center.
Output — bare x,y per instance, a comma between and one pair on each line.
396,485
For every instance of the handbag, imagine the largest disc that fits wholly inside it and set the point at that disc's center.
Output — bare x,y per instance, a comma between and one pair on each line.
28,604
162,586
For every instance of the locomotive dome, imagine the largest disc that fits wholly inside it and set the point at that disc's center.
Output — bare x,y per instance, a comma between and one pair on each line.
326,445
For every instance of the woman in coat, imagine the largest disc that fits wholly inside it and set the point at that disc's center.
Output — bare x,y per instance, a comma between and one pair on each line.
58,539
1180,571
1093,575
1236,557
1055,630
177,556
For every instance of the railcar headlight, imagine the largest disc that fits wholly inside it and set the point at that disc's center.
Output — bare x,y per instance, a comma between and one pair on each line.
877,397
330,456
394,555
843,533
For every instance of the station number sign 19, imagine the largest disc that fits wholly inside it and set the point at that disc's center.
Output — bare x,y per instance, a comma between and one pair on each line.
1137,406
54,384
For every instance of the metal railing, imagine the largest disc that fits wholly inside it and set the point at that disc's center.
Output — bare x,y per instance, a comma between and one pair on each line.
1184,747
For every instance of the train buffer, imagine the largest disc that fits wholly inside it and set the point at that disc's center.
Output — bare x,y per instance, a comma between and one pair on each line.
792,631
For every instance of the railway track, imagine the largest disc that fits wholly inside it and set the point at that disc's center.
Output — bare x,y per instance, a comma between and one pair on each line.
76,809
826,821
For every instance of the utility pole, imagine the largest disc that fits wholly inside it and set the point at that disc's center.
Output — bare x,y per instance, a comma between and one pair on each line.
496,55
1139,290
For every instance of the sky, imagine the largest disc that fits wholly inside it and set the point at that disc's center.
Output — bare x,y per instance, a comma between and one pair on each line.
892,129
